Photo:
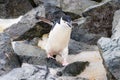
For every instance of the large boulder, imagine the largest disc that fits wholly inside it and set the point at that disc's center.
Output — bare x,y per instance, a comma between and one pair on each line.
96,23
82,35
27,22
29,53
29,72
110,49
74,6
8,60
15,8
101,21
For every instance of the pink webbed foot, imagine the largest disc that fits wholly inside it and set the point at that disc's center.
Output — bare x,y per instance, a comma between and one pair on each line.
64,63
49,56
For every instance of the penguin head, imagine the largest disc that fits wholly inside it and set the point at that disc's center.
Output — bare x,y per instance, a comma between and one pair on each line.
66,21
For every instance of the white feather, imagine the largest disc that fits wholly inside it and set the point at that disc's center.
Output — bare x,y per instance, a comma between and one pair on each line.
58,38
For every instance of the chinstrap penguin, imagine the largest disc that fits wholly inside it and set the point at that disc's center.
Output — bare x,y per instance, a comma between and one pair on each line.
58,39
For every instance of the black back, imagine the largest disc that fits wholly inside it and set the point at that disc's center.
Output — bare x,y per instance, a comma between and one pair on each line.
66,18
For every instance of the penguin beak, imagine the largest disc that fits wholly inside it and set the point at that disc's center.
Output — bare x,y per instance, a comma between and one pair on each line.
69,24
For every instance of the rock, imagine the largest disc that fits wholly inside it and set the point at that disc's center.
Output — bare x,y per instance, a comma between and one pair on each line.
29,72
82,35
74,69
26,23
28,53
2,9
52,2
54,13
39,29
33,55
76,47
76,6
52,63
8,60
111,62
116,24
101,21
115,20
95,70
15,8
97,0
6,23
110,49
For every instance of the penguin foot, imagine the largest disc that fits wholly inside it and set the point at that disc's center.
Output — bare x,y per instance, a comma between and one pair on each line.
49,56
64,63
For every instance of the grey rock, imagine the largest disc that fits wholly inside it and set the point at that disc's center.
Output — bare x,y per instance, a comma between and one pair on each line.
115,19
76,47
8,60
15,8
116,26
101,21
52,2
29,72
73,69
29,53
77,5
33,55
80,34
110,50
27,22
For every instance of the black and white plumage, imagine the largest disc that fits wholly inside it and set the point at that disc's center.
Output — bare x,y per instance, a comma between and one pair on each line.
59,38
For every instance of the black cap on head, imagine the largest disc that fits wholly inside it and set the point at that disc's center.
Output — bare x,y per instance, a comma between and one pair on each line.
66,18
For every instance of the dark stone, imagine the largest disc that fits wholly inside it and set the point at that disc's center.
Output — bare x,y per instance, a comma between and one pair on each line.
15,8
33,60
74,68
2,1
54,13
72,15
97,0
27,22
52,63
39,29
33,3
99,19
2,10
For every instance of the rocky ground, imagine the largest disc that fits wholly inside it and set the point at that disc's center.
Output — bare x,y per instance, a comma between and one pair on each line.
93,47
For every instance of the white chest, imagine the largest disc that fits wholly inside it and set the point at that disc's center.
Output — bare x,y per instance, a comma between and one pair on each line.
58,38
